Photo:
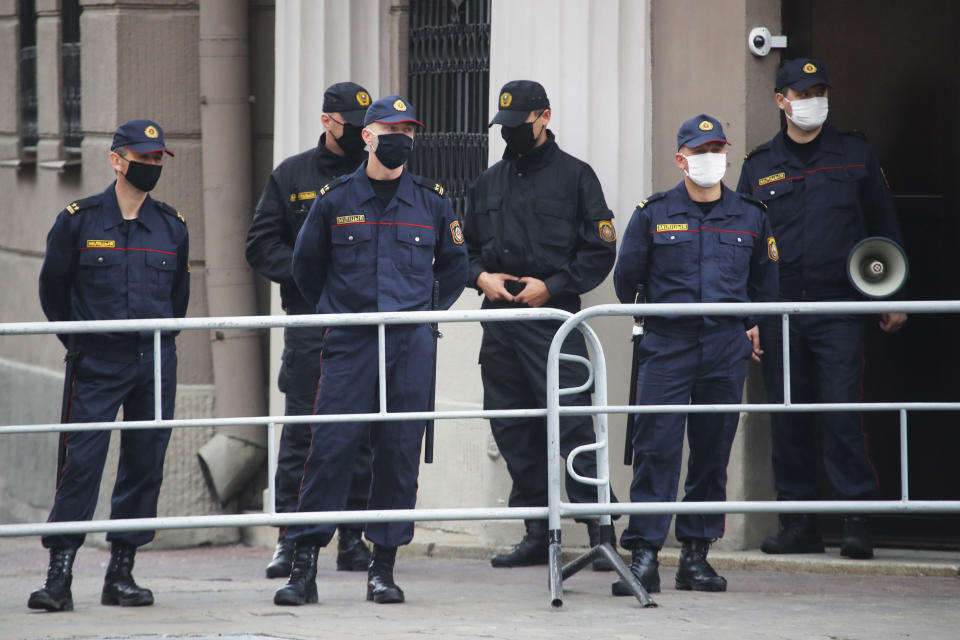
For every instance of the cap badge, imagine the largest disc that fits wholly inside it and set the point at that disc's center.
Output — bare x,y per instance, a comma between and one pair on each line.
399,106
363,98
809,68
706,125
505,100
151,132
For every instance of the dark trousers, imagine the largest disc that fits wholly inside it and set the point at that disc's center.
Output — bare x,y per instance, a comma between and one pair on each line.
299,379
826,365
513,367
100,388
349,385
677,369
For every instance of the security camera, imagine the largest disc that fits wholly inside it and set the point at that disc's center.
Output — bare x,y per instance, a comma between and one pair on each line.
760,41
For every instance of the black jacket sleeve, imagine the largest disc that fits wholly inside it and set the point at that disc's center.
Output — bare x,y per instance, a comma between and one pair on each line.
269,250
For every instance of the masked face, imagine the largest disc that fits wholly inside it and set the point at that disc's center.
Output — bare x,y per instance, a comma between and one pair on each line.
142,176
393,149
521,139
809,113
706,169
350,139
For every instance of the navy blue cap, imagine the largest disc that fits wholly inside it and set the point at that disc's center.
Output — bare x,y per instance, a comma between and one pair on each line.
389,110
700,130
142,136
801,73
517,99
348,99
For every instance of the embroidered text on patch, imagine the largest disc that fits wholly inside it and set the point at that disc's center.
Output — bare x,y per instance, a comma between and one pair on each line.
769,179
101,244
350,219
672,227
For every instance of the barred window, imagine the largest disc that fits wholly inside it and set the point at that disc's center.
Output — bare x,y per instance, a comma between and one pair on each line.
70,66
449,79
28,75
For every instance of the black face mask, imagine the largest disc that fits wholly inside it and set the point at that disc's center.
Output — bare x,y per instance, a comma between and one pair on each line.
143,176
351,142
393,149
519,139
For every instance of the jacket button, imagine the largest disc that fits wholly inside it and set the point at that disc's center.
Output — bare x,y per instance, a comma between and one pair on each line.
163,263
417,239
773,192
100,259
349,237
673,237
739,239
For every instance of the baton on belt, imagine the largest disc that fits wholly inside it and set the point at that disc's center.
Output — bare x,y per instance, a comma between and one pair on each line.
637,336
69,374
434,329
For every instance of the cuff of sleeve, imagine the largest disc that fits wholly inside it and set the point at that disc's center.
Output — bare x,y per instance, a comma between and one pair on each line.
749,322
473,274
555,284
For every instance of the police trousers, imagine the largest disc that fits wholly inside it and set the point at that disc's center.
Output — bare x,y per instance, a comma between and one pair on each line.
826,363
349,385
100,388
513,367
299,379
683,369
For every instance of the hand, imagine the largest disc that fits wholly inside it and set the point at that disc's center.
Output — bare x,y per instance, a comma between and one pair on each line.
535,294
754,335
492,286
892,322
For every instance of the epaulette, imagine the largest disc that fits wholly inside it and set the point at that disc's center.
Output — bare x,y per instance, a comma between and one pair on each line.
762,147
80,205
752,200
170,211
657,196
430,185
855,133
333,184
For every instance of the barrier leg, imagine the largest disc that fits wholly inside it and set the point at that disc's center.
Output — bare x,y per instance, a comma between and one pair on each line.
556,573
605,550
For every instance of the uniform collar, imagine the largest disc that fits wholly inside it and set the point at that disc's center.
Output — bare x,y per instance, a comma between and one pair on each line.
679,203
362,190
537,158
112,217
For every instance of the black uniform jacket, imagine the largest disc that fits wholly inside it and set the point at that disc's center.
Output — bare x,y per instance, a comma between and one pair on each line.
283,207
541,215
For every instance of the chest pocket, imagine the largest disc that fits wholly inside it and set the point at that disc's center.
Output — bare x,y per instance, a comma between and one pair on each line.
415,246
674,252
102,269
556,221
160,270
352,248
774,190
734,252
842,187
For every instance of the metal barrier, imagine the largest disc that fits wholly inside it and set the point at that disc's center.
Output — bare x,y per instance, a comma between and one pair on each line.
559,509
556,508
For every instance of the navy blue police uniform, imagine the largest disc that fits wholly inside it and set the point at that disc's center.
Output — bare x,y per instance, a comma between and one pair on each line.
820,206
99,266
287,197
357,254
683,255
540,214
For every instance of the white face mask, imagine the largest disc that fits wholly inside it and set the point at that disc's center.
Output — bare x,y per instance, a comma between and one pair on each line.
808,114
706,169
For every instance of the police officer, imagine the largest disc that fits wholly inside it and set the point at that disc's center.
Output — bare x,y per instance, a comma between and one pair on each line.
287,197
539,234
116,255
698,242
374,240
824,191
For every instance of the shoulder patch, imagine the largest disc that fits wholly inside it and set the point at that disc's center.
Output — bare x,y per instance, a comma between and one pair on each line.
80,205
170,211
430,185
657,196
606,231
333,184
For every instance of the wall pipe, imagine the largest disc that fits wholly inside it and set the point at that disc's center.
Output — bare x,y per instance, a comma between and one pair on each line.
235,453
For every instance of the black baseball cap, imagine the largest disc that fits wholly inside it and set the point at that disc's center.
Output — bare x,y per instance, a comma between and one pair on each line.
700,130
389,110
141,135
801,73
517,99
349,100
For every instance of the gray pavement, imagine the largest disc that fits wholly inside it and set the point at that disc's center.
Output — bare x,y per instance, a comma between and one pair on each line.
220,592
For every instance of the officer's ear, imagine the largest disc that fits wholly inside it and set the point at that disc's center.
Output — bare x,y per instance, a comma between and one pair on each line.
115,158
546,117
325,120
368,136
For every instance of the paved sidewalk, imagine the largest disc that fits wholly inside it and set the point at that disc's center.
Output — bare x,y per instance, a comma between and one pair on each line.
216,592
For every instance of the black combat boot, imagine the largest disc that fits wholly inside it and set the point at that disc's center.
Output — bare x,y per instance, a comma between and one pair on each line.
301,587
532,550
279,566
600,563
645,567
352,552
55,594
798,533
118,585
856,542
380,585
694,573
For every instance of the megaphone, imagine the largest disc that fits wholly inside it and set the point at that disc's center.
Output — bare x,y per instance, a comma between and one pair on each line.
877,267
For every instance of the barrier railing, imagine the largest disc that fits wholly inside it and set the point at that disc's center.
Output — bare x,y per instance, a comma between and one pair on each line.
559,509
